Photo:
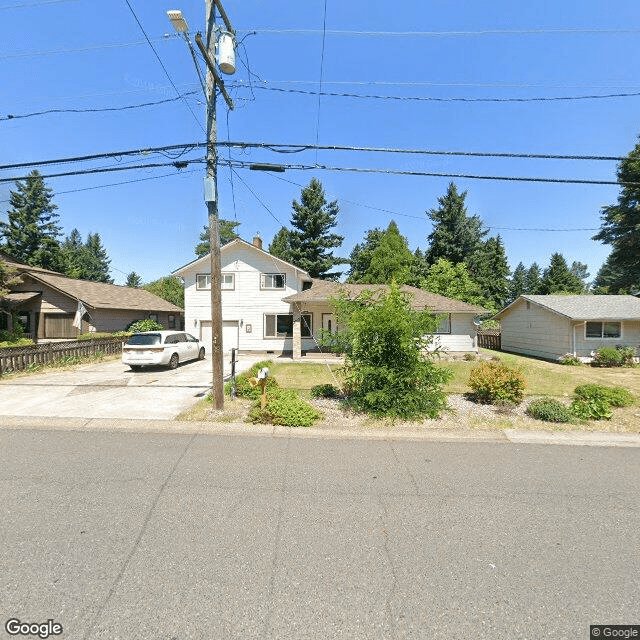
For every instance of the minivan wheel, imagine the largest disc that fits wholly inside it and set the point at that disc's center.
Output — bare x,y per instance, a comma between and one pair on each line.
173,363
135,367
201,354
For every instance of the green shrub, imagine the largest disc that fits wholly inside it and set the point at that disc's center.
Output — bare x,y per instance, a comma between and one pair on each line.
613,357
389,369
550,410
286,408
570,360
591,409
325,391
144,325
614,396
494,383
244,388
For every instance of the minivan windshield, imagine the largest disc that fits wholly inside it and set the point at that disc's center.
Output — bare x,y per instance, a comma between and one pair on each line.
145,339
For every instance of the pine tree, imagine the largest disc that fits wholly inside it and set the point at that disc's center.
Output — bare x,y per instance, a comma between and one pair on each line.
621,227
489,268
558,279
97,266
360,257
74,255
581,271
134,280
31,232
280,246
391,260
227,234
518,282
607,279
533,280
456,236
311,238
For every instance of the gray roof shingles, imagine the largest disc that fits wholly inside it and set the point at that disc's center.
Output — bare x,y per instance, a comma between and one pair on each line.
589,307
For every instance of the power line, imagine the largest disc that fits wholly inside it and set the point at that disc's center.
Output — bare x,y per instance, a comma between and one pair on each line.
33,4
162,64
297,148
95,110
324,33
151,165
438,34
362,96
400,172
255,195
93,47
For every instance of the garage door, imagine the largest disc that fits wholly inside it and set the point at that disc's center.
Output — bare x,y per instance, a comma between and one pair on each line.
59,326
229,335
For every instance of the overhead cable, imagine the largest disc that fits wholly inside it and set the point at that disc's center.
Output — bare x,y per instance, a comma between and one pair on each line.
363,96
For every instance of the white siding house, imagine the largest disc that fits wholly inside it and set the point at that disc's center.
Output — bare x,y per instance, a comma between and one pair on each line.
272,306
551,326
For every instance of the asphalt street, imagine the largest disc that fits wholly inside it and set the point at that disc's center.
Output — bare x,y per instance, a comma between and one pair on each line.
173,536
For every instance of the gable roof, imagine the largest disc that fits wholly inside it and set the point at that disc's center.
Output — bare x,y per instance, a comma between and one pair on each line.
97,295
323,290
585,307
230,246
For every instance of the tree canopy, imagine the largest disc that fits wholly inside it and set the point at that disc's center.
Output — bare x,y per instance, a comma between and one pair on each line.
621,228
227,234
391,260
169,288
311,238
134,280
558,278
31,231
452,281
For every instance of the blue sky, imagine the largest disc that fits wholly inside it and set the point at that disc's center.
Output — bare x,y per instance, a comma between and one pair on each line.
78,54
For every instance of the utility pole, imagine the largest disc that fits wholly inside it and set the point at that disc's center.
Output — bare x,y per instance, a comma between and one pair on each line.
214,82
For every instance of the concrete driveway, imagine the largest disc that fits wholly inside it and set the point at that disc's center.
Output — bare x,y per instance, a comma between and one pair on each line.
111,390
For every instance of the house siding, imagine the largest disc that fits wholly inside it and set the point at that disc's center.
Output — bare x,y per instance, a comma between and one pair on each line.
462,337
535,332
630,338
247,302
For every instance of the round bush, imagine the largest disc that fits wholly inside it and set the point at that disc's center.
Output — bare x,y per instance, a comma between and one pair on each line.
497,383
325,391
144,325
285,407
550,410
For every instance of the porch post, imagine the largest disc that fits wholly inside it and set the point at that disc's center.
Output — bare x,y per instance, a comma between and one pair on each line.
297,334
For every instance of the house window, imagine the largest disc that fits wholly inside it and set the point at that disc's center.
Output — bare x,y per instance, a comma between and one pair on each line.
280,325
25,320
601,330
203,281
445,324
228,281
172,322
272,280
153,316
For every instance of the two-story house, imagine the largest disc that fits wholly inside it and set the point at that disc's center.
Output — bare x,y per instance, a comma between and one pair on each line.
254,316
271,306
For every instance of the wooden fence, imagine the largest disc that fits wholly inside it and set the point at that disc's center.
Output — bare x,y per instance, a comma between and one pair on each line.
20,358
490,339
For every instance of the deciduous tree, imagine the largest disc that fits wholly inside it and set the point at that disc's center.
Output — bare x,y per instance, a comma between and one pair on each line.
452,281
169,288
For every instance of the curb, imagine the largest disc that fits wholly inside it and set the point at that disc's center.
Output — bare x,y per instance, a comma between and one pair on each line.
174,427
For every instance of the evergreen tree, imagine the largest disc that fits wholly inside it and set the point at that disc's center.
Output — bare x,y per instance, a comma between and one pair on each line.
134,280
606,279
581,271
8,277
533,280
360,257
621,227
97,265
31,232
169,289
311,238
518,283
558,279
489,268
456,236
227,234
391,260
280,246
74,255
420,267
452,281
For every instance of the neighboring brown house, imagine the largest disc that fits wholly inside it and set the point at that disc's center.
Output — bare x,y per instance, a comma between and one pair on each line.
46,303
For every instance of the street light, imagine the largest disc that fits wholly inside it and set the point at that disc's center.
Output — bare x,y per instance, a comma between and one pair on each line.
178,21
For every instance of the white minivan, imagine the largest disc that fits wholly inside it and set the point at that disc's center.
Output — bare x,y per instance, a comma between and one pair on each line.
150,348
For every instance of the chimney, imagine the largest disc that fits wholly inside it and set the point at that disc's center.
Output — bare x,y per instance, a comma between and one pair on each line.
257,241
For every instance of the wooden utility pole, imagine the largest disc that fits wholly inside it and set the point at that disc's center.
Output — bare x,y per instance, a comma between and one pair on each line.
211,197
